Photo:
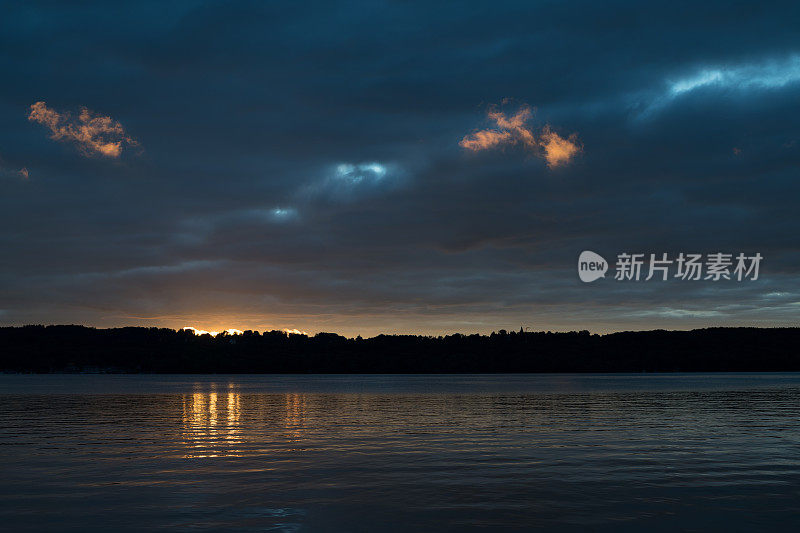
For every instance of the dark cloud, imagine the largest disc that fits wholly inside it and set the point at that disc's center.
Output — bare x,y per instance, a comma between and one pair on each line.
303,168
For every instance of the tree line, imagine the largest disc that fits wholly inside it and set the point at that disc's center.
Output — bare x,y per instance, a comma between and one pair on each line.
160,350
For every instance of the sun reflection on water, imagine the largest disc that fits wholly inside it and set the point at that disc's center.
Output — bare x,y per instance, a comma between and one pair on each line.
213,423
294,421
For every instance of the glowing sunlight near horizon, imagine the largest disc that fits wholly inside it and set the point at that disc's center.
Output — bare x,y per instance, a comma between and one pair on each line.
234,331
196,331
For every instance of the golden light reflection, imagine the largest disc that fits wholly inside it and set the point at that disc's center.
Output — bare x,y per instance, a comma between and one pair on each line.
294,422
212,424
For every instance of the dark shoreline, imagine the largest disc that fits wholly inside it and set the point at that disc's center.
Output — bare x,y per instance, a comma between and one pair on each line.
79,349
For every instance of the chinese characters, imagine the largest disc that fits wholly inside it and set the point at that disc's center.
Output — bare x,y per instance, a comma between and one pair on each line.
687,266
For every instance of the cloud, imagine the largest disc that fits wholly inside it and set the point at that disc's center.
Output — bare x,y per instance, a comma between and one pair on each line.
10,172
346,181
765,75
92,133
516,124
362,173
733,78
464,246
283,214
556,150
482,140
678,313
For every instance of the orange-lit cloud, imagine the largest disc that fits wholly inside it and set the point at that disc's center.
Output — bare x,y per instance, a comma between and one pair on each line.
556,150
24,172
92,133
481,140
515,125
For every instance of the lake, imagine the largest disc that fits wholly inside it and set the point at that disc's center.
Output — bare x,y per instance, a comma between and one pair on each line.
692,452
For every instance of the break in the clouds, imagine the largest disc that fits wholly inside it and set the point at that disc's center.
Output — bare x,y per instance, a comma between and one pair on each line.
93,134
360,174
345,182
283,214
556,150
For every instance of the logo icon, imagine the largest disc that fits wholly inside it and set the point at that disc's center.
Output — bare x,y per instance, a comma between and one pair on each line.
591,266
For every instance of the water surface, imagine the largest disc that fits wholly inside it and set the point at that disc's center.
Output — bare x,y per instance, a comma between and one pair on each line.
400,453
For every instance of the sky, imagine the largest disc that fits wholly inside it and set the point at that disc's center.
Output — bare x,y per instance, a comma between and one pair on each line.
395,167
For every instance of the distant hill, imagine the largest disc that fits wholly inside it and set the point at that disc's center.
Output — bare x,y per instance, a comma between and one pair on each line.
133,349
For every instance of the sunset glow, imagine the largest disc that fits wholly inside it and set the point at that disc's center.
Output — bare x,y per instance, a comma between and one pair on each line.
230,331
